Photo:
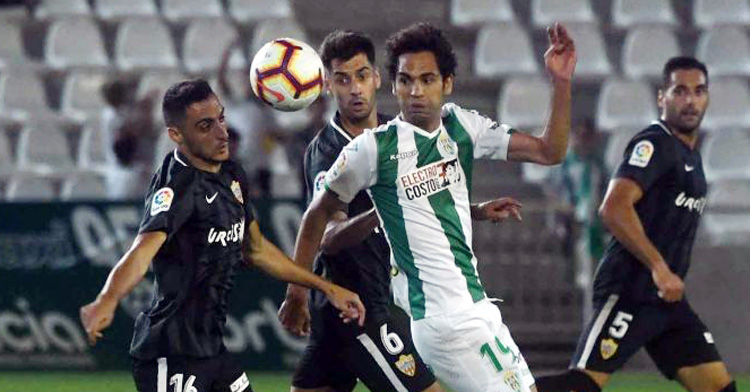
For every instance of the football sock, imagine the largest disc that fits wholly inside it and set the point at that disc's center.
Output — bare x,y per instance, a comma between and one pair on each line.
572,380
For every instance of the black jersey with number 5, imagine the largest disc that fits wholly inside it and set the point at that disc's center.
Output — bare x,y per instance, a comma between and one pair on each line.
204,216
363,268
670,174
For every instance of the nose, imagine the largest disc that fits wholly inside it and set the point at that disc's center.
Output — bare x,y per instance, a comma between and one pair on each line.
356,88
417,89
221,131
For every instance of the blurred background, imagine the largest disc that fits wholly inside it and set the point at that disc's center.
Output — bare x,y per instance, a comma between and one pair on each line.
81,132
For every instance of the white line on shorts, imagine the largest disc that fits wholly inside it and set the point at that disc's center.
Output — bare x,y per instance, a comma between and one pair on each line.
596,329
382,362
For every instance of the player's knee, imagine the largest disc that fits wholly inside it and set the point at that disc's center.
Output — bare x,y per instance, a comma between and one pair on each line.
731,387
573,379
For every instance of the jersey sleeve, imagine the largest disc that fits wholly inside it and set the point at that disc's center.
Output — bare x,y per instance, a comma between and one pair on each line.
315,167
490,139
169,204
354,169
646,159
247,205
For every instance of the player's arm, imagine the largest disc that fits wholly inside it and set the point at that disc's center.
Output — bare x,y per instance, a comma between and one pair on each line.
551,147
131,268
496,210
619,215
263,254
343,232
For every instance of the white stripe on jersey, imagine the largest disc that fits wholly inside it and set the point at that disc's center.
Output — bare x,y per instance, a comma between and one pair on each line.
161,374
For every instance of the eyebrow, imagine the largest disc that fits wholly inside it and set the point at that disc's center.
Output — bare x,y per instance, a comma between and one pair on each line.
401,73
209,119
366,67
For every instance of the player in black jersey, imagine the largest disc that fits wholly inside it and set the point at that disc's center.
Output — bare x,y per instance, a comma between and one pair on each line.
652,208
199,228
355,254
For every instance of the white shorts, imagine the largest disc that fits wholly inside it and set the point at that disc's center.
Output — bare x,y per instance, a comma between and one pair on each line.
472,351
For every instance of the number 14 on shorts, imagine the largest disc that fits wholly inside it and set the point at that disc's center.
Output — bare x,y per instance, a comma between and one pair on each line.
487,351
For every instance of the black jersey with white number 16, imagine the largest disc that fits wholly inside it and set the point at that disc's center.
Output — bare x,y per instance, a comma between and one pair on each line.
204,216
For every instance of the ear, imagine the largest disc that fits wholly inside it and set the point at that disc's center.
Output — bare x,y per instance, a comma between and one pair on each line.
659,98
448,85
175,135
327,82
377,79
393,88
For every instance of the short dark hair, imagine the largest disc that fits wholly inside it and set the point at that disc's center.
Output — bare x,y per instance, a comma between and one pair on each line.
181,95
681,62
421,37
345,44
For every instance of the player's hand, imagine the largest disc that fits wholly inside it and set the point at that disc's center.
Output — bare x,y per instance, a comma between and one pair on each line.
294,313
348,303
497,210
670,286
560,58
97,316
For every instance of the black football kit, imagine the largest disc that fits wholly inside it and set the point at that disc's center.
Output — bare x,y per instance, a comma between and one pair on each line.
628,311
179,339
340,353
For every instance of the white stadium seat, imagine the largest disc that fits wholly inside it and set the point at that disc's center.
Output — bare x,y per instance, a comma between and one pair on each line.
617,143
727,218
478,12
21,95
120,9
625,104
88,186
158,82
268,30
43,148
730,101
646,49
591,50
725,50
546,12
30,188
75,42
144,43
60,8
524,102
82,95
7,166
176,10
709,13
245,11
628,13
726,155
204,44
12,53
503,50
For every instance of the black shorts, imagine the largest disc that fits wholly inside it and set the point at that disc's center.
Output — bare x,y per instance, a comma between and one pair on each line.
672,334
382,356
213,374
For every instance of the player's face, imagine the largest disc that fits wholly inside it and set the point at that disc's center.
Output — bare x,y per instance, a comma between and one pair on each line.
204,133
353,84
684,102
419,88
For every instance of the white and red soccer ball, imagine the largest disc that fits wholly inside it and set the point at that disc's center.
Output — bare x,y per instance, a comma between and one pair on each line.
287,74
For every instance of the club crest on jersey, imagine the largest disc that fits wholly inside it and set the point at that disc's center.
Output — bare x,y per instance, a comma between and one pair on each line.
445,145
642,153
237,191
608,348
511,380
406,365
430,179
162,200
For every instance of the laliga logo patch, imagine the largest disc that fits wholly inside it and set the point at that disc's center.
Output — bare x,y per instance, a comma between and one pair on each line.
320,184
339,165
445,145
162,200
237,191
406,365
642,153
608,348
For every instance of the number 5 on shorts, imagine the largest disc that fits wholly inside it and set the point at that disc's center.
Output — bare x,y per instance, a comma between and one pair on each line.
620,325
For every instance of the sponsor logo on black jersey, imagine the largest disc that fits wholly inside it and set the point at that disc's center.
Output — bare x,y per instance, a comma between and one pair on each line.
233,234
691,203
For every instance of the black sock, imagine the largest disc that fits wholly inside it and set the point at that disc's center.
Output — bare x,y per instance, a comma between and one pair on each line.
731,387
572,380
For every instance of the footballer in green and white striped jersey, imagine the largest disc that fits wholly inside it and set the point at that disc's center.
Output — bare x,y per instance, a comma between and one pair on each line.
420,183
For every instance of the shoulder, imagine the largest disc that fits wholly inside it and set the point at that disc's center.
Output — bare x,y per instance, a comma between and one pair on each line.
654,142
174,173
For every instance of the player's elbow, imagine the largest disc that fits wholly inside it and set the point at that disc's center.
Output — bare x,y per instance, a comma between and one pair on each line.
608,213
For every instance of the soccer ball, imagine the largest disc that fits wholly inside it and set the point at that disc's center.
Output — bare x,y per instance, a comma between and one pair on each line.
287,74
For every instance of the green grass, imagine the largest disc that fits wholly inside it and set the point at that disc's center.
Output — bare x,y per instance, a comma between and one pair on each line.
268,382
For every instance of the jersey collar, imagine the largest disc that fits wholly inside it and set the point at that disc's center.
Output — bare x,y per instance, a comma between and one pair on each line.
179,157
335,124
661,124
416,129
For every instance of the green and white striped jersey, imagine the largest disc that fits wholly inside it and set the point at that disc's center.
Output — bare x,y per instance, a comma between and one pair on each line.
420,183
